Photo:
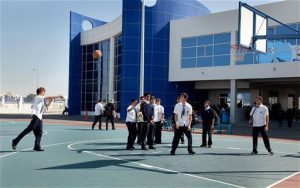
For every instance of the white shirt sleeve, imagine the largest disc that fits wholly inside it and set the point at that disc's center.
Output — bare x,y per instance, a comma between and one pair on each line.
162,110
190,110
266,111
176,109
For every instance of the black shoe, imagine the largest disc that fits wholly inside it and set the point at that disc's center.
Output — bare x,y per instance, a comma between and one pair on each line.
254,153
202,146
182,142
172,153
107,129
13,145
133,148
192,152
93,127
209,146
113,128
129,149
144,148
152,147
271,152
100,128
38,149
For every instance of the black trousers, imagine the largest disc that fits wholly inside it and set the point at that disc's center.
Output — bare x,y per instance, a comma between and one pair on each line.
182,135
132,132
255,132
158,127
145,128
177,136
35,125
111,119
139,131
150,135
98,119
206,131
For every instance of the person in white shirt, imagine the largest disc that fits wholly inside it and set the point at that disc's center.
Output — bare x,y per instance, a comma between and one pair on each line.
159,113
131,121
183,119
260,122
98,114
40,104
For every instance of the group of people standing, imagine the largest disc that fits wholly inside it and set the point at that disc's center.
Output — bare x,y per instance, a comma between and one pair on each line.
144,121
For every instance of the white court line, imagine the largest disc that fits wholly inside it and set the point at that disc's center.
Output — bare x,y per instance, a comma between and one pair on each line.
44,133
57,144
7,122
277,182
153,167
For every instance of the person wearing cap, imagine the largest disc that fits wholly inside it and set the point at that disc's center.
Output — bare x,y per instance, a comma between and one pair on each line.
110,114
183,119
259,118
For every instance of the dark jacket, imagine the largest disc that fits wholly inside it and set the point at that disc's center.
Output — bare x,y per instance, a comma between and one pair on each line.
109,108
148,112
207,116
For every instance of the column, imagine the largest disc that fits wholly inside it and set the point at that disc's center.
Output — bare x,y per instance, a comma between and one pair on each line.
111,68
233,94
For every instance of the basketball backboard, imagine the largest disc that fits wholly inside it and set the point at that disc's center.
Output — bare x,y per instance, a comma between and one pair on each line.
253,26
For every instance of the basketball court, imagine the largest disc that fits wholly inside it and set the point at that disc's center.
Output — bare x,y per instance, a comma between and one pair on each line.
76,156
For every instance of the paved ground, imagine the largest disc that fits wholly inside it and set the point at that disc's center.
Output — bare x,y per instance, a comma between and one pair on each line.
76,156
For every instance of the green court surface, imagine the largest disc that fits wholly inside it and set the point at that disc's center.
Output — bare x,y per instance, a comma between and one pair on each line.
76,156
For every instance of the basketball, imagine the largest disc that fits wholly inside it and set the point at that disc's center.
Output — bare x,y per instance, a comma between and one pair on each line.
97,54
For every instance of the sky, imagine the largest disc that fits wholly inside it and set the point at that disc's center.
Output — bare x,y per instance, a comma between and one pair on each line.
35,35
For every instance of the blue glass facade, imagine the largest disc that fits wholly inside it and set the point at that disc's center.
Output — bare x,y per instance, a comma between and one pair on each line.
75,60
127,58
157,31
206,51
281,51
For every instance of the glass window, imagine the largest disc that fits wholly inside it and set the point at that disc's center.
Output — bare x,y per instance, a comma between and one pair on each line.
222,49
222,38
200,51
188,52
205,40
187,42
222,60
204,61
188,63
208,50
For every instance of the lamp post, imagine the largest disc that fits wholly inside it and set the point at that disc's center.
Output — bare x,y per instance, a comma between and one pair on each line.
142,57
37,76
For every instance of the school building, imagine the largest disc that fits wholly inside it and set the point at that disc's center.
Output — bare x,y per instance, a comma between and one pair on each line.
187,49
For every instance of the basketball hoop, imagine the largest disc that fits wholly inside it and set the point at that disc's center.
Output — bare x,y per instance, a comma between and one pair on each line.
238,52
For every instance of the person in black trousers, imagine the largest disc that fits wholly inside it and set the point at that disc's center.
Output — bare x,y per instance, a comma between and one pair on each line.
36,124
98,114
183,119
110,114
260,122
208,121
151,130
147,112
131,119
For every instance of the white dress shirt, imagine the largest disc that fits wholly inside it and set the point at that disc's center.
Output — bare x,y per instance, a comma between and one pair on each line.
259,115
183,117
132,114
38,107
98,109
158,113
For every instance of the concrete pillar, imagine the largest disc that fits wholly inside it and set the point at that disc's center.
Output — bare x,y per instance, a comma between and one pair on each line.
111,68
233,94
